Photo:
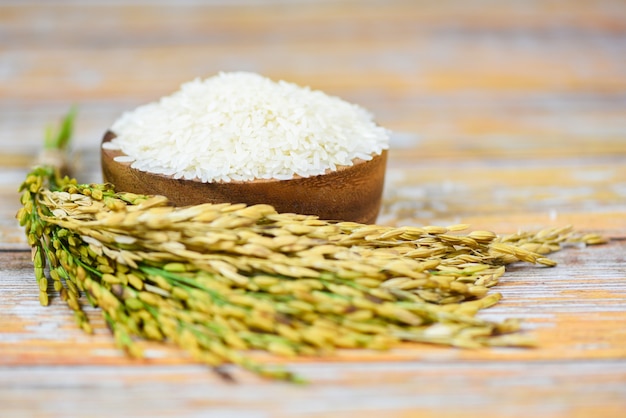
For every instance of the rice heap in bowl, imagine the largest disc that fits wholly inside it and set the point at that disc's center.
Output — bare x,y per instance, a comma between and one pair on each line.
241,127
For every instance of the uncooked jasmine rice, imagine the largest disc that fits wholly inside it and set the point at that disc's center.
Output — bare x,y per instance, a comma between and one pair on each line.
242,126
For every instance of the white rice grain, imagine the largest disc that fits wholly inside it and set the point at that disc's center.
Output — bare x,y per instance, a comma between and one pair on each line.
242,126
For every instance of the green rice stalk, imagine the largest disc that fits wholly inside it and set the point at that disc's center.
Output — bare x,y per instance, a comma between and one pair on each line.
220,280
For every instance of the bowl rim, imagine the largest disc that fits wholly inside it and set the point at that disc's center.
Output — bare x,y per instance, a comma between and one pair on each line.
109,135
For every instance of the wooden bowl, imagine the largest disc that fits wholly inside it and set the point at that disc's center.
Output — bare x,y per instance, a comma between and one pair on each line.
351,193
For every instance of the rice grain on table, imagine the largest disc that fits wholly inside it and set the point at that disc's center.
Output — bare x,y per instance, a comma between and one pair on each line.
242,126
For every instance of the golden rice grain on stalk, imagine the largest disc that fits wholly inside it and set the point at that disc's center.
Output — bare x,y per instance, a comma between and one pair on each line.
219,280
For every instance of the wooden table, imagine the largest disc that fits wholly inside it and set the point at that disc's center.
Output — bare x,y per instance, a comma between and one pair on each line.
506,115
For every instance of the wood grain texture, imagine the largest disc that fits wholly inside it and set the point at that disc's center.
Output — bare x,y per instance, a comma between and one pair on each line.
506,115
349,193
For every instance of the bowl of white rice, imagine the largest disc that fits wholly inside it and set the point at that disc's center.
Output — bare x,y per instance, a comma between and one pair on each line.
243,138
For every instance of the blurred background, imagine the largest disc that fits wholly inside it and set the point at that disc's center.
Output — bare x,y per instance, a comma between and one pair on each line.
506,115
500,83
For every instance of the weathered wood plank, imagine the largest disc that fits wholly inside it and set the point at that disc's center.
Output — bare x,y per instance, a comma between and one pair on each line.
506,115
429,389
